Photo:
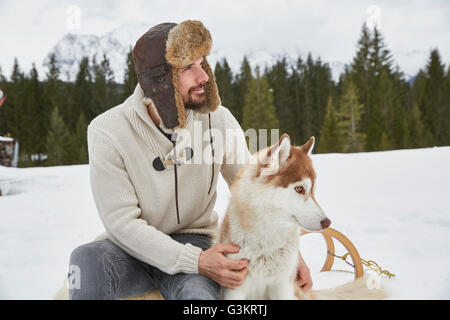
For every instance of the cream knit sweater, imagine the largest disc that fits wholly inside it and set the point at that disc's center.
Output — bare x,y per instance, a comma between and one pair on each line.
136,203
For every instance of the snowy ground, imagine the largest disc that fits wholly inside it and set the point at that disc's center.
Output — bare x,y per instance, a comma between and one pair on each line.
394,206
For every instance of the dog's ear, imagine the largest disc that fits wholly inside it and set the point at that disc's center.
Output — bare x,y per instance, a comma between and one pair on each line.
276,156
284,149
308,147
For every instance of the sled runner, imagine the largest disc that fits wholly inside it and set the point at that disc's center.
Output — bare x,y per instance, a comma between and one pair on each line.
328,235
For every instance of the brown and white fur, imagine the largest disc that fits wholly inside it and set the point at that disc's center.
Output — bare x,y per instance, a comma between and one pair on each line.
272,199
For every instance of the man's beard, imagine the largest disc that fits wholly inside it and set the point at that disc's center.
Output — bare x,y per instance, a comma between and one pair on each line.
195,103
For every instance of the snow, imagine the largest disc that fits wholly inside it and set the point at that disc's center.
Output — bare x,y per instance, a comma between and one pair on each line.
70,50
394,206
6,139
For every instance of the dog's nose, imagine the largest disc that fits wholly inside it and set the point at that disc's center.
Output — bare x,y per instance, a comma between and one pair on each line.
325,223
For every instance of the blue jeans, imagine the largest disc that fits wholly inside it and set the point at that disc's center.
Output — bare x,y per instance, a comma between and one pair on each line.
106,272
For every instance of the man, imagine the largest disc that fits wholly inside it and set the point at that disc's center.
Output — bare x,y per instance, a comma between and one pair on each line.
155,195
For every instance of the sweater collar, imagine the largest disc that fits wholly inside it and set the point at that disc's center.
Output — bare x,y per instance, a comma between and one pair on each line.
141,109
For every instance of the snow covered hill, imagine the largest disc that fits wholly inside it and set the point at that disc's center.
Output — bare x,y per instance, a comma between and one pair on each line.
394,206
116,44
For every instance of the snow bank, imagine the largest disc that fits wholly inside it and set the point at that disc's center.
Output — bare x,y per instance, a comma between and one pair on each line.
394,206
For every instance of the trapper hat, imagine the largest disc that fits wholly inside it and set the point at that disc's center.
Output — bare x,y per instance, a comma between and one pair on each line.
157,57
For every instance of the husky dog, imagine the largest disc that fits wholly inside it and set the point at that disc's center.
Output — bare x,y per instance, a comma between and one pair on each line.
272,199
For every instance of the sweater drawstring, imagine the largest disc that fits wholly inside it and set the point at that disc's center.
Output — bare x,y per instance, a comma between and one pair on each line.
175,164
212,152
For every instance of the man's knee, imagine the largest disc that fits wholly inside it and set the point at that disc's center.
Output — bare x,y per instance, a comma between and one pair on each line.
85,271
198,287
87,255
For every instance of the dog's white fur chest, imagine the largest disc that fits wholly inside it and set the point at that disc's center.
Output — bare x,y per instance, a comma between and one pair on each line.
272,255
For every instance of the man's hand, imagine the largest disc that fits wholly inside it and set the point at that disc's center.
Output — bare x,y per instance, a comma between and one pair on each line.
226,272
303,275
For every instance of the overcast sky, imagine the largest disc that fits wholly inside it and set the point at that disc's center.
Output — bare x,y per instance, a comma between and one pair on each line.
329,29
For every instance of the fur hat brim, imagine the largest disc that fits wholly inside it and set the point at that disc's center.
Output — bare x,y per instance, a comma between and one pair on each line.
187,42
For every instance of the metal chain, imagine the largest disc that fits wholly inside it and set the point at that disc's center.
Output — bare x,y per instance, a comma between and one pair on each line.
371,264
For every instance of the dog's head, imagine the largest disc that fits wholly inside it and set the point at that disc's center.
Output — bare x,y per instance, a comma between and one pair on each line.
286,180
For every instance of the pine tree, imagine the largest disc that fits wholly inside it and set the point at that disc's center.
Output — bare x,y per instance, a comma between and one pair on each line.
330,133
240,87
224,80
375,128
307,110
394,118
415,94
111,94
52,96
295,85
385,143
361,65
12,109
111,85
301,93
418,88
16,99
98,87
80,141
259,110
380,57
381,90
58,142
349,115
284,102
380,103
397,122
32,137
416,130
83,96
323,86
130,77
433,101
